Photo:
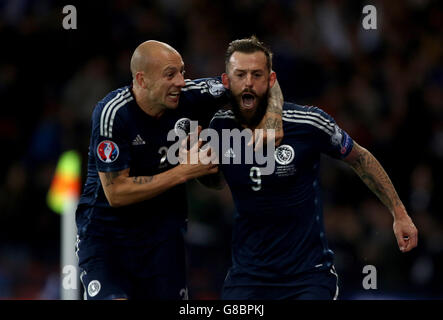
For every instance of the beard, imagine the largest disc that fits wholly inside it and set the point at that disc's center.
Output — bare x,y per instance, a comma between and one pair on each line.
258,113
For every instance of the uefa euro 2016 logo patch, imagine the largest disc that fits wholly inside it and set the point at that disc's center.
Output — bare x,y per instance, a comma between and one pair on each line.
107,151
284,154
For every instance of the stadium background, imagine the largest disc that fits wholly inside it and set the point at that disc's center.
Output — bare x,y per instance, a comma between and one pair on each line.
383,86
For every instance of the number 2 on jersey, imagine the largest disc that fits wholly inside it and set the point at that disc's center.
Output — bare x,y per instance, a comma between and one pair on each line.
255,175
164,152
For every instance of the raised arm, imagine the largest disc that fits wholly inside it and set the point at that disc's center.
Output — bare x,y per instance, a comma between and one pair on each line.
273,116
374,176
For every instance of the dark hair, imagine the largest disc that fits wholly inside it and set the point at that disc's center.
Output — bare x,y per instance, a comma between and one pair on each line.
248,45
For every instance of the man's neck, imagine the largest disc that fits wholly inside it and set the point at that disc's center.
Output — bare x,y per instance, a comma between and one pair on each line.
150,110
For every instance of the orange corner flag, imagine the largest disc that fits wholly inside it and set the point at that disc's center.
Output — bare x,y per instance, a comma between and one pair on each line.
66,182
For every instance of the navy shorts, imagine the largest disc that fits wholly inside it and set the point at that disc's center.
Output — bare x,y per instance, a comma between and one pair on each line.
321,285
127,272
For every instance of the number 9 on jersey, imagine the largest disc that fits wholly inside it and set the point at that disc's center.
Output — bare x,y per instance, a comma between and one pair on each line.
255,175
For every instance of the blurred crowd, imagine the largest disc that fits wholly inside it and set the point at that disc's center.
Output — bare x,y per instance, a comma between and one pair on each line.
383,86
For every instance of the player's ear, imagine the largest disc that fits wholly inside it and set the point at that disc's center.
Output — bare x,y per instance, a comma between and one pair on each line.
272,79
225,80
140,79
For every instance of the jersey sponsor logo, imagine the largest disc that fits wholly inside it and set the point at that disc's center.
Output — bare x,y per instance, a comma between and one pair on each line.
94,288
138,141
215,87
183,124
284,154
107,151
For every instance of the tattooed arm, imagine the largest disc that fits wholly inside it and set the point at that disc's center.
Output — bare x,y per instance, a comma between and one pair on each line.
273,116
121,189
375,177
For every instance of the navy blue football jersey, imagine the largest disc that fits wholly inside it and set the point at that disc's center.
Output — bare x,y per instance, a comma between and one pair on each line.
278,231
123,136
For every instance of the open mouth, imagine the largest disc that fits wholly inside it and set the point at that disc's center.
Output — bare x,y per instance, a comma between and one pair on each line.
174,96
248,100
